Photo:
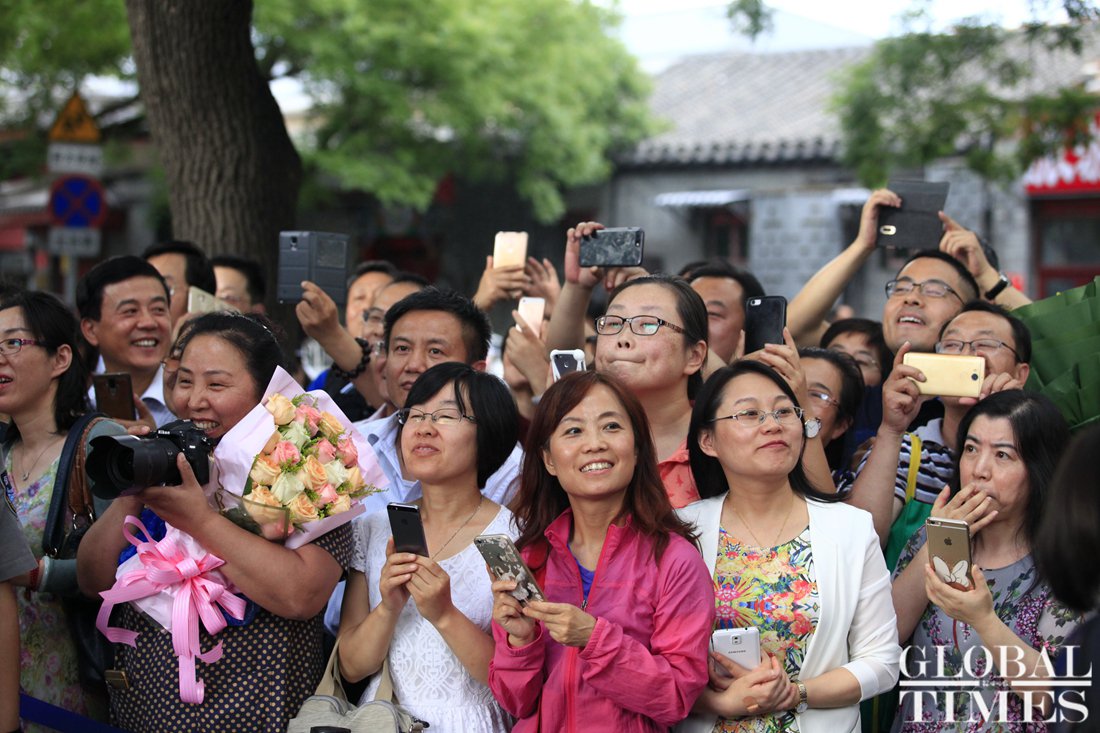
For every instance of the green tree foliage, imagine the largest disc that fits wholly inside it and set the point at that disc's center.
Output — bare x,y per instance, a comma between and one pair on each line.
970,91
533,91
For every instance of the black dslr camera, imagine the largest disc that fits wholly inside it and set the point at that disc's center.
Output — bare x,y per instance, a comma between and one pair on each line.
125,464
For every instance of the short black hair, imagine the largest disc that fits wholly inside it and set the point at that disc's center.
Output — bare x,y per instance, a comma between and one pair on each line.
1068,541
366,267
476,330
404,276
252,334
199,272
89,290
750,286
252,271
710,478
869,328
851,379
52,324
960,269
1020,332
479,395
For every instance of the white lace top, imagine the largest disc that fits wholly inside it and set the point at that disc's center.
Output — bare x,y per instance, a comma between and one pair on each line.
428,679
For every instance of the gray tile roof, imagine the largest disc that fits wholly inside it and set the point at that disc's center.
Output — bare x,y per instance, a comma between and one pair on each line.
760,108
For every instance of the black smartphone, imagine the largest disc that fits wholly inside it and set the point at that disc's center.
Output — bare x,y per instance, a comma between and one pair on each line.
114,395
407,529
765,318
320,257
616,247
566,361
916,225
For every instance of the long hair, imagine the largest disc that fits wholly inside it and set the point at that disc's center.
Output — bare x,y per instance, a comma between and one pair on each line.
710,478
541,498
50,322
1040,433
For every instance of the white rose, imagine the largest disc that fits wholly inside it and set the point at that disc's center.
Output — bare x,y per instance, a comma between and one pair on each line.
287,487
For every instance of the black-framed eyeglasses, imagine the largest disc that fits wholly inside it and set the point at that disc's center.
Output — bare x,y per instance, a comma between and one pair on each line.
823,397
750,417
981,347
639,325
931,288
442,416
9,347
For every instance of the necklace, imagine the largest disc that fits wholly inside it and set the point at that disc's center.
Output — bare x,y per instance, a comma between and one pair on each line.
753,534
460,528
27,472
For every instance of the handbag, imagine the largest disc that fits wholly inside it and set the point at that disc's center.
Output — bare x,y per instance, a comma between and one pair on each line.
329,706
71,513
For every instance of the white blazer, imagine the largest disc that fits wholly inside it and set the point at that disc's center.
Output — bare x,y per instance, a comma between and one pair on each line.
856,626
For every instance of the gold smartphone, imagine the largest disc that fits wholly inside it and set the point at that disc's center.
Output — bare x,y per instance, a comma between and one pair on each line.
509,249
949,551
948,375
531,311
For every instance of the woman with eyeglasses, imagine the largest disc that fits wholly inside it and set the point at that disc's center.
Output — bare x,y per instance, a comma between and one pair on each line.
429,616
43,391
834,388
805,571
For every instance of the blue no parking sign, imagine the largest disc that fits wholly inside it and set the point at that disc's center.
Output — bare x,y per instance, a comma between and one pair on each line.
77,202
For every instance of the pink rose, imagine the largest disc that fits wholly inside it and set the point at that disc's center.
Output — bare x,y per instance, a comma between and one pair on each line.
347,451
286,452
328,494
309,416
326,451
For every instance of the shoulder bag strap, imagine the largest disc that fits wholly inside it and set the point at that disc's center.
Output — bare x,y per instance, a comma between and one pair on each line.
53,533
915,446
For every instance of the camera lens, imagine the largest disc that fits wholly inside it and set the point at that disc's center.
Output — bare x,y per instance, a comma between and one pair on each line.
121,464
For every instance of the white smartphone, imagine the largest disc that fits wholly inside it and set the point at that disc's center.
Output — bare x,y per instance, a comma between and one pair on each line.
510,248
738,645
565,361
531,311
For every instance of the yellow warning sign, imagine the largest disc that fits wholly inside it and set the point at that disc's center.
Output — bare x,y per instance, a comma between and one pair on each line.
74,124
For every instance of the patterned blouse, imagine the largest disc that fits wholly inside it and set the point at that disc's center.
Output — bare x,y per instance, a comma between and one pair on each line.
1024,603
776,591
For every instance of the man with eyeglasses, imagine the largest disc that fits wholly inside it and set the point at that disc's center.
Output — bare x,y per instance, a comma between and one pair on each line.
980,329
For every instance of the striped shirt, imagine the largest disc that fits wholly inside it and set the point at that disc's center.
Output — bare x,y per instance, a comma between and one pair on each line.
937,464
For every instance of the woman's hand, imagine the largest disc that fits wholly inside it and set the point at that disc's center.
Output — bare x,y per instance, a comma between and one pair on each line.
499,283
972,607
430,588
394,578
565,623
783,358
184,506
587,277
543,282
970,505
508,614
758,691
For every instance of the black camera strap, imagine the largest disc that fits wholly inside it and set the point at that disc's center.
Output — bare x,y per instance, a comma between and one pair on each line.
53,534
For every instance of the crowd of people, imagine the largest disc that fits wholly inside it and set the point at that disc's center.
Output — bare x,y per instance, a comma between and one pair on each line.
675,488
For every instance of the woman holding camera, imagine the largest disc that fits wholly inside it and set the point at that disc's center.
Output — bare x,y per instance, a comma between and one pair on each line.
620,643
273,659
428,617
805,571
1009,446
43,390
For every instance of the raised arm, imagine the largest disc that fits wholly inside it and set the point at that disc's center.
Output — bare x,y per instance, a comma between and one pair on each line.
806,313
320,320
963,245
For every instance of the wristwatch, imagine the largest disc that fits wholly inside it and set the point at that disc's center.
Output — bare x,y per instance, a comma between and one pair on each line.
803,703
1002,283
812,427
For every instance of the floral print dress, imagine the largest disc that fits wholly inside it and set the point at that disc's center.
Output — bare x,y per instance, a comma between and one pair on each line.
47,655
776,591
1024,603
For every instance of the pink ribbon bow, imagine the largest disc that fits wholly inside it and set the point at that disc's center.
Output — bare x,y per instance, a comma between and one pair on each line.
197,592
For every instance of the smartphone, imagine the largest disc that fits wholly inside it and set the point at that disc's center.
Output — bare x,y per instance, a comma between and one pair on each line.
200,301
566,361
948,375
617,247
949,551
531,310
407,529
916,225
505,563
738,645
765,318
320,257
510,249
114,395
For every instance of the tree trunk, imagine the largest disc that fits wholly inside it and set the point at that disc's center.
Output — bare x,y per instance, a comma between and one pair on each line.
232,172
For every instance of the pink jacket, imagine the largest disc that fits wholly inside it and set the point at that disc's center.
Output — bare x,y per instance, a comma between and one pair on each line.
646,661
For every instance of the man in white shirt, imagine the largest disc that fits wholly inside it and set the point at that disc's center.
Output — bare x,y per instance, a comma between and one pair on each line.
123,304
